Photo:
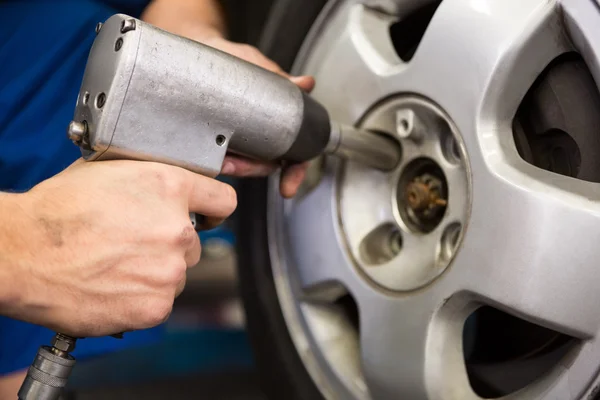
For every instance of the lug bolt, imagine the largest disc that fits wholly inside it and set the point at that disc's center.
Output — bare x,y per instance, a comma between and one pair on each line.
98,27
418,196
423,194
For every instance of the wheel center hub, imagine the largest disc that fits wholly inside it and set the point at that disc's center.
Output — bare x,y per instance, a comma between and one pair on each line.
403,227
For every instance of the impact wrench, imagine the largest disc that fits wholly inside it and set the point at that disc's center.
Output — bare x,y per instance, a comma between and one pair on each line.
150,95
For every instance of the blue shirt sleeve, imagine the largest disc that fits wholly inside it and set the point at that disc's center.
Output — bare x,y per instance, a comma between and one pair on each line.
43,50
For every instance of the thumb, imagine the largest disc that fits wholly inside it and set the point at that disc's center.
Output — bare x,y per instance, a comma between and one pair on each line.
306,83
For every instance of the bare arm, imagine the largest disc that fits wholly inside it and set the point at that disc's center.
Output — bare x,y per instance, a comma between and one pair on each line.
197,19
13,238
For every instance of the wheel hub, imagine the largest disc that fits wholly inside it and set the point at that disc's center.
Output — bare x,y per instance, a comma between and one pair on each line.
403,227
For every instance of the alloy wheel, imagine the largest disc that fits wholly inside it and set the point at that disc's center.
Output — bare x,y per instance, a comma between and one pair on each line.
378,272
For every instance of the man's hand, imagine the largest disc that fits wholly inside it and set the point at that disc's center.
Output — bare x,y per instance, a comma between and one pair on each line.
202,20
103,247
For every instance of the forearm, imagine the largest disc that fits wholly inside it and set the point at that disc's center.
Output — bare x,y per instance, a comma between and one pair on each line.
192,18
15,249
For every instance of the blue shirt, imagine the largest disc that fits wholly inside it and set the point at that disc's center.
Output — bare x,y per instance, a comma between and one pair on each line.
44,46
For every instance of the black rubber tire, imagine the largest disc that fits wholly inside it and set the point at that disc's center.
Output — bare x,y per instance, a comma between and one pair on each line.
281,371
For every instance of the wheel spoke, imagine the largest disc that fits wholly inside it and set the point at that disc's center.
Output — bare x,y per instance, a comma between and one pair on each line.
355,54
410,349
494,50
323,271
531,246
338,339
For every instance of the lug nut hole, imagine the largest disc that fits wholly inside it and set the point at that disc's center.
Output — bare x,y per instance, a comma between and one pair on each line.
381,245
449,241
451,150
118,44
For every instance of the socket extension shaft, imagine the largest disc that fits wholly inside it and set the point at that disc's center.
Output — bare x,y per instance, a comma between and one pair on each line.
369,148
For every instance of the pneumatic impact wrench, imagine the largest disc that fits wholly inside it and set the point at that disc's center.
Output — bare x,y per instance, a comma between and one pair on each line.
150,95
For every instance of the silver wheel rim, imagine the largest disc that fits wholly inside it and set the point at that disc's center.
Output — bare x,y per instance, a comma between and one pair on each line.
476,61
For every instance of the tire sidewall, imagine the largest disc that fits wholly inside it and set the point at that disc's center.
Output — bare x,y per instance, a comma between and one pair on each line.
282,373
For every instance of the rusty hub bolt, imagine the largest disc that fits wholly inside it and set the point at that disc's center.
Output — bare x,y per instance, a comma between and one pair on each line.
424,194
417,195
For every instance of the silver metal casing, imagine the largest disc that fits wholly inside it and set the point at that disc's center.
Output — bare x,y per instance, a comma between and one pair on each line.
151,95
